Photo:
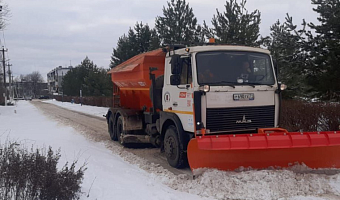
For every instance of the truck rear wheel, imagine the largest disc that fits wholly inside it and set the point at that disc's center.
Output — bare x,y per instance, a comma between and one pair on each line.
112,130
120,130
175,155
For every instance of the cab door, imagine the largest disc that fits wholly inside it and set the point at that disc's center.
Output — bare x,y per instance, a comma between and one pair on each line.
178,99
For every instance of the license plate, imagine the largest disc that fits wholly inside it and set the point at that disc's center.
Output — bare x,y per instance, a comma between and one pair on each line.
244,97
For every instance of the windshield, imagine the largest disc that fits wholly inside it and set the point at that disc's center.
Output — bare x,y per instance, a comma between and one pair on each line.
234,68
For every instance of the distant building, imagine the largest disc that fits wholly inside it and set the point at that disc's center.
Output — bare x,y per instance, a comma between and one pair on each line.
55,79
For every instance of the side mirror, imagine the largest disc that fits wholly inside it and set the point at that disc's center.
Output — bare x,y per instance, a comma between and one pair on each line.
175,79
176,64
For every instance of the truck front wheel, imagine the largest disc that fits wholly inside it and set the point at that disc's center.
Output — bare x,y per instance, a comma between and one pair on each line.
175,155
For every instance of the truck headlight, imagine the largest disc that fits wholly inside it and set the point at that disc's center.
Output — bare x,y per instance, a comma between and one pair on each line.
205,88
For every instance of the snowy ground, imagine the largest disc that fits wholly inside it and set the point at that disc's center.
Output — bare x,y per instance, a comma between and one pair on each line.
119,177
112,177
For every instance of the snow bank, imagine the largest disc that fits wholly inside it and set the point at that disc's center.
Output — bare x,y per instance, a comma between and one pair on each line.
91,110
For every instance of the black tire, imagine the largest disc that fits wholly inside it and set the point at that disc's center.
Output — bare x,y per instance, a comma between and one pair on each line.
175,155
112,130
120,130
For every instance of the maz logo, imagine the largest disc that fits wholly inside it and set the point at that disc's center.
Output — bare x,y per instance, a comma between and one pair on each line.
243,121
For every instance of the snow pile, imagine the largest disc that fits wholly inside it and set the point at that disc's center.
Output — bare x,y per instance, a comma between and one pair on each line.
264,184
91,110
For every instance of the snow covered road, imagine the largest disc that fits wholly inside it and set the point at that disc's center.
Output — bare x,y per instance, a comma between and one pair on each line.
119,174
94,127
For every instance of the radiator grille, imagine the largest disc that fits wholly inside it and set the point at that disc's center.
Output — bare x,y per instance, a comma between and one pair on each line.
237,119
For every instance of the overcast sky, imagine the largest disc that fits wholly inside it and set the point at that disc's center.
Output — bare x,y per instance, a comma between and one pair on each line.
44,34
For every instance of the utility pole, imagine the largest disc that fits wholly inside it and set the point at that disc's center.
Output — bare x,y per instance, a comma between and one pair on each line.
62,89
3,50
10,82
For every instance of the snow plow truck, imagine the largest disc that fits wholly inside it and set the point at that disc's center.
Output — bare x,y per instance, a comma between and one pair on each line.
215,106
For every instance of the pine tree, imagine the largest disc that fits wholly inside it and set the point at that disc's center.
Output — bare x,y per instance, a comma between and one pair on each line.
286,44
143,37
139,40
155,41
324,75
132,43
72,82
178,25
236,25
93,81
122,52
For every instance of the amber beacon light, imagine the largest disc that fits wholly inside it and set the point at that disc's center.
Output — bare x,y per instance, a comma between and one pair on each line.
211,40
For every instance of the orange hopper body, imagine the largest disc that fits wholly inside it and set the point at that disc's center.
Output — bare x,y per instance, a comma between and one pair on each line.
131,78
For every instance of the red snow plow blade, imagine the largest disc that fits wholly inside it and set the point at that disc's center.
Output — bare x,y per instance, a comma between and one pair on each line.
268,148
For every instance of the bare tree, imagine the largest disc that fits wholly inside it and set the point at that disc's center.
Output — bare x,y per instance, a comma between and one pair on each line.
34,78
4,14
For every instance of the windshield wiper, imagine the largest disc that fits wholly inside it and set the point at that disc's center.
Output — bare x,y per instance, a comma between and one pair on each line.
254,84
224,83
250,84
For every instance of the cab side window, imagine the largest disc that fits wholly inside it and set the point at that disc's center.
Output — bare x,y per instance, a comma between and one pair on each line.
186,75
